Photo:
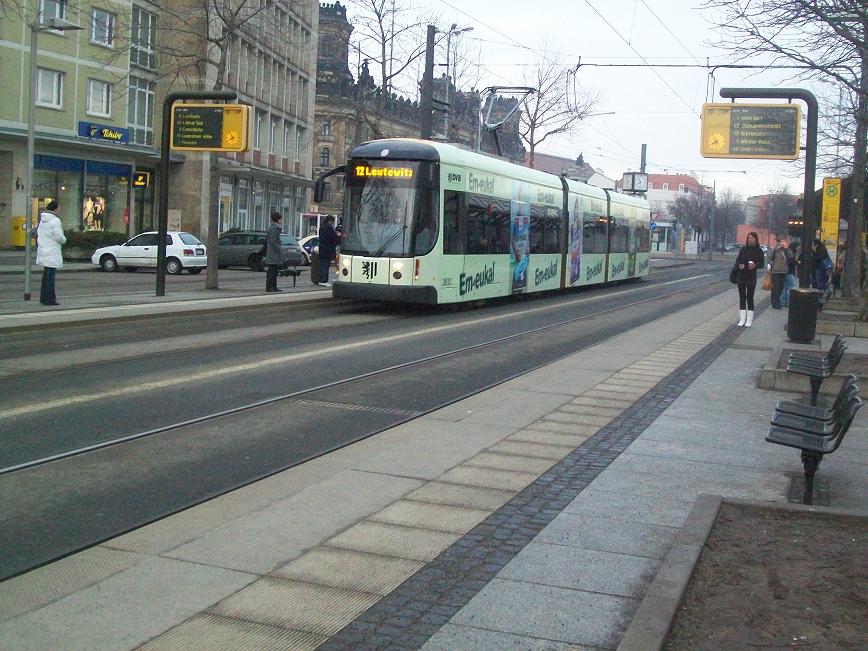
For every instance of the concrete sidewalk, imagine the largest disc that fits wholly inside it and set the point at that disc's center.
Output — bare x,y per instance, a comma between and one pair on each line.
531,516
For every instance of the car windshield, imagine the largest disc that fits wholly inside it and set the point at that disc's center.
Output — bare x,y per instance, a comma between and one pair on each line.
186,238
385,200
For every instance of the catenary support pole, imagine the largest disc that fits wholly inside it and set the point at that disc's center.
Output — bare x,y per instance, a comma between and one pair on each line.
426,105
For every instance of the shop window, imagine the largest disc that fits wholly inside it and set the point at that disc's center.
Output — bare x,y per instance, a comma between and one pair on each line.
99,98
102,27
324,157
143,39
49,88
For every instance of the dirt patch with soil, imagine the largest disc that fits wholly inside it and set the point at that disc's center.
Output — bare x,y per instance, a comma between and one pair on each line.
774,579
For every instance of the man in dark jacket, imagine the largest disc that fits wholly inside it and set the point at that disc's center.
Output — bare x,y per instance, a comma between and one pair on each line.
779,266
328,242
273,253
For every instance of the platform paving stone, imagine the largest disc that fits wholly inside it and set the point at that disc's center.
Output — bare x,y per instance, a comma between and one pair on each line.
468,638
461,583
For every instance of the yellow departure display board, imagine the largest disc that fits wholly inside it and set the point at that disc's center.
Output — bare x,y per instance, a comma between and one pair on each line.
769,131
210,127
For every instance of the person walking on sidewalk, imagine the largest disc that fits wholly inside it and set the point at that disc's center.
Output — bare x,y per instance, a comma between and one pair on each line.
49,240
328,242
822,264
273,254
750,258
779,267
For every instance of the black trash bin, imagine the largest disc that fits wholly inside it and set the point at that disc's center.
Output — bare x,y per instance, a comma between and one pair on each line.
314,267
802,320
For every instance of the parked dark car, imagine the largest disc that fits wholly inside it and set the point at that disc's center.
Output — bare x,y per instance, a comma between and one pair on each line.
244,249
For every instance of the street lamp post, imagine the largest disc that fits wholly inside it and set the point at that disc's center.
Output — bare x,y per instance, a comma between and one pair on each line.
36,26
452,30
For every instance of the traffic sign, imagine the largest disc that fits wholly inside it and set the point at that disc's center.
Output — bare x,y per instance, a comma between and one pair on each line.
769,131
653,226
210,127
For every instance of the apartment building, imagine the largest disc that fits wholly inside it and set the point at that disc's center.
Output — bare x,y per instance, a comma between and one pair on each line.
93,113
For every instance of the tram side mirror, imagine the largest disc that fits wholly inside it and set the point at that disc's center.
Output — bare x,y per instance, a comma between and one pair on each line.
318,191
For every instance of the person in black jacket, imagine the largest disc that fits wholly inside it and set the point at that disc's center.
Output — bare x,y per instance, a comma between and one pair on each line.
328,242
273,253
750,258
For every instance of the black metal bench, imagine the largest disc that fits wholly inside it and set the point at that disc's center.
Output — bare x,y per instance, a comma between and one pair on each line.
848,388
813,445
295,272
817,368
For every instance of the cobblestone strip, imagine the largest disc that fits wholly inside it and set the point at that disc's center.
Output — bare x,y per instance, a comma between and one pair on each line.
409,615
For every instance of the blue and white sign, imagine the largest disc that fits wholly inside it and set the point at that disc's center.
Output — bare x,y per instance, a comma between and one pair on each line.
103,132
653,226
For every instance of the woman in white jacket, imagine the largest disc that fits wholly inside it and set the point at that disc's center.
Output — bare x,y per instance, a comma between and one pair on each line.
49,239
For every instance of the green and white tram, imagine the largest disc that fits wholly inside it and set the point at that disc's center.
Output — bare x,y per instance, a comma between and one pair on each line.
426,222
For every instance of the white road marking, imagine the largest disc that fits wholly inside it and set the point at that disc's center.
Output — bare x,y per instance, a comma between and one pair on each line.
295,357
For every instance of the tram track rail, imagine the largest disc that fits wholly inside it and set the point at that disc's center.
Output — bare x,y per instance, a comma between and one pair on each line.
330,385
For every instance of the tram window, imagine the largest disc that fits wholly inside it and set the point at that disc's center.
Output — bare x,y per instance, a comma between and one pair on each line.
453,209
553,231
537,229
619,235
487,225
594,234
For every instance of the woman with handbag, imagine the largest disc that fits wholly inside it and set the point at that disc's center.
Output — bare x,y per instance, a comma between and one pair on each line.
750,258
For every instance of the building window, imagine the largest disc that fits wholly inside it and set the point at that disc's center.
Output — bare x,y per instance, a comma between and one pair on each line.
102,28
325,129
299,143
285,140
272,141
99,98
324,157
665,186
327,192
49,88
681,187
140,111
143,39
49,9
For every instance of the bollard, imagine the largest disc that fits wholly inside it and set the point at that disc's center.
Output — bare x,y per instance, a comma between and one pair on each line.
802,320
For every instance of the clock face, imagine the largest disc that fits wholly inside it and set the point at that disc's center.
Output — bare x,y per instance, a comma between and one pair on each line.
232,138
716,141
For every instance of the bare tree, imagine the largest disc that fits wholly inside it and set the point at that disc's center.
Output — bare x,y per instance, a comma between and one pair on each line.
390,37
829,37
729,212
556,107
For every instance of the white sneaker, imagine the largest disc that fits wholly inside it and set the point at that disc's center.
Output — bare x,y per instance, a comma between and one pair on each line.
325,284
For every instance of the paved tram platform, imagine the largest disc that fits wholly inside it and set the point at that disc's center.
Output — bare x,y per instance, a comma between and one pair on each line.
531,516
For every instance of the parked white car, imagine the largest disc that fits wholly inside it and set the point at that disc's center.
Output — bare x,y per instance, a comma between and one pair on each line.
183,251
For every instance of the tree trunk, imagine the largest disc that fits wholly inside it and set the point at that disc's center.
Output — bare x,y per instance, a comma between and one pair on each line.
852,286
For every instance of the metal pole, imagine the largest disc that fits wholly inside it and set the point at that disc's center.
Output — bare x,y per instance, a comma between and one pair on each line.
711,224
426,106
809,218
165,141
446,107
31,118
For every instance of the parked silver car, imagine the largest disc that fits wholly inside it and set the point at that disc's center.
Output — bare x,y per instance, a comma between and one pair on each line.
244,249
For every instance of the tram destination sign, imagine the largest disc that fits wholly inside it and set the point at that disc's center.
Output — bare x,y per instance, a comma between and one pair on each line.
211,127
769,131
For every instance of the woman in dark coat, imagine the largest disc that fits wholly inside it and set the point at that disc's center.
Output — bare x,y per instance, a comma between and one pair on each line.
750,258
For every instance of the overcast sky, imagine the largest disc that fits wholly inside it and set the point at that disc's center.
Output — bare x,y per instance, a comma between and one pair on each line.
656,106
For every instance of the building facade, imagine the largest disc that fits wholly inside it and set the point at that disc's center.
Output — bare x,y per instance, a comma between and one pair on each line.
93,135
663,192
270,62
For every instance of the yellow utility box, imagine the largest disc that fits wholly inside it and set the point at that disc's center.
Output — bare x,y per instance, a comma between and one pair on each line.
18,232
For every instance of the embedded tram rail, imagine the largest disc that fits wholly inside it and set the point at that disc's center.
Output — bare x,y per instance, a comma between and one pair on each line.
483,363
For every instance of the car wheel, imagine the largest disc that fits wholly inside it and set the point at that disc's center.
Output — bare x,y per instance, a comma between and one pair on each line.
195,270
173,266
255,262
131,269
108,263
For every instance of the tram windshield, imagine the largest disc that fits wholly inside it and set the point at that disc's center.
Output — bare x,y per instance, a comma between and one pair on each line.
391,208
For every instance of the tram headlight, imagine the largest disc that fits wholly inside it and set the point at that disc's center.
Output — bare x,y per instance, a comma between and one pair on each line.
397,270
